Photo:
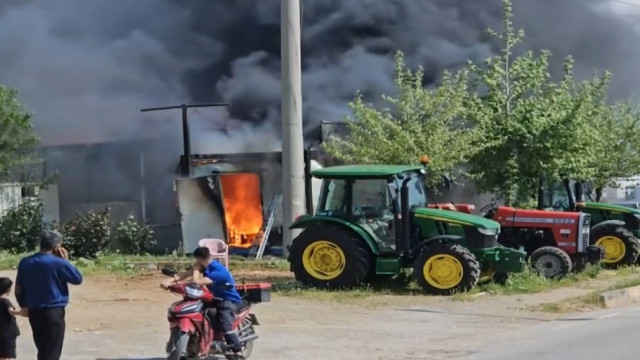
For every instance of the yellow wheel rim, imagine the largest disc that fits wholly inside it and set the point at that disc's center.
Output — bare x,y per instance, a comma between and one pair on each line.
614,248
323,260
443,271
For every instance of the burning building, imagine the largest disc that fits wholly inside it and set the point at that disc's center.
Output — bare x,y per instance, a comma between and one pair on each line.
232,197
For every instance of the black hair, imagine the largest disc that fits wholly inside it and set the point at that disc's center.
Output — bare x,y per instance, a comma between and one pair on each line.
49,239
202,252
5,285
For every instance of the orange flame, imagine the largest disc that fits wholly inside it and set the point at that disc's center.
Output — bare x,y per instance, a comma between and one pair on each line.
242,208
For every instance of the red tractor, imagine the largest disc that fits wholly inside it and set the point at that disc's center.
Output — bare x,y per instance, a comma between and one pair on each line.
556,242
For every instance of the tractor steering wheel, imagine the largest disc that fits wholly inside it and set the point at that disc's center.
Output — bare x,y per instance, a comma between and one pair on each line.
560,205
490,206
489,209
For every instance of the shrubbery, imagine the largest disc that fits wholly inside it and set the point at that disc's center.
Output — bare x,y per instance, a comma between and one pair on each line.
133,237
20,227
86,236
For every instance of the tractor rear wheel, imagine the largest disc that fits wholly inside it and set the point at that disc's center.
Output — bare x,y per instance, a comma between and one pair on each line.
330,257
445,269
621,248
551,262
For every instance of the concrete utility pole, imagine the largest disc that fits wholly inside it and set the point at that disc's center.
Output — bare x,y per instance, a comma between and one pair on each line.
292,141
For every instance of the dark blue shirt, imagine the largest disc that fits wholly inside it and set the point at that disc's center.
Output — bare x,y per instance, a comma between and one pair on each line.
220,276
43,280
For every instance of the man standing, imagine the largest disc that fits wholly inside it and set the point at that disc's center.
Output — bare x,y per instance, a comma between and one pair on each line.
42,288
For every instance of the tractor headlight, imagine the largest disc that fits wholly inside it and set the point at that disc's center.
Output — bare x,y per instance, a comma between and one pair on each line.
488,232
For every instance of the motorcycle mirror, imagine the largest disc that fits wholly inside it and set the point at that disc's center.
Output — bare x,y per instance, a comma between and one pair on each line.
168,272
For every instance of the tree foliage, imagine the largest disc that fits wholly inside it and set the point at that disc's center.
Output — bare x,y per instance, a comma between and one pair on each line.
417,122
528,124
17,139
616,150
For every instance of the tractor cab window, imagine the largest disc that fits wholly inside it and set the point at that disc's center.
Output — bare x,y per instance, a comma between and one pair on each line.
372,208
417,191
556,196
332,201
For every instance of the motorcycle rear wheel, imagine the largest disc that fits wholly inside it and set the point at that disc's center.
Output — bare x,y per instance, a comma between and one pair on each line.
179,340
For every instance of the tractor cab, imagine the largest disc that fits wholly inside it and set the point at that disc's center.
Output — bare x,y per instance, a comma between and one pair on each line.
373,201
614,228
567,195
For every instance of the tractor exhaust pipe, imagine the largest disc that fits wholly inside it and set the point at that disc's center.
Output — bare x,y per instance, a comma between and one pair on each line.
308,189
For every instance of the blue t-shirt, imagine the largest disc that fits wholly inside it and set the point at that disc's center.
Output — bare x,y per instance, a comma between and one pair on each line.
43,280
220,276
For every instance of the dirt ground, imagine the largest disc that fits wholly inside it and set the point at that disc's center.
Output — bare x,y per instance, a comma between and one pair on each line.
114,319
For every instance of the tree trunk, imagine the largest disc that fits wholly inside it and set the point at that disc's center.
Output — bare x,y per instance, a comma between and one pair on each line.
599,193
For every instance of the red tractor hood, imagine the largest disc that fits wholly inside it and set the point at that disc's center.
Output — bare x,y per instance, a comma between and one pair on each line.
510,216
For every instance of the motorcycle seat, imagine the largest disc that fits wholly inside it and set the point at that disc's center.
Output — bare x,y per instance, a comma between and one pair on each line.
243,305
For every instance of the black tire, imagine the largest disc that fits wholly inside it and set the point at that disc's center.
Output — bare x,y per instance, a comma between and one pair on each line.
179,342
600,236
357,258
551,262
459,283
247,329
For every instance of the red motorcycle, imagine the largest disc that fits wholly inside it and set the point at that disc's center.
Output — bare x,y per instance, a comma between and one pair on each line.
190,321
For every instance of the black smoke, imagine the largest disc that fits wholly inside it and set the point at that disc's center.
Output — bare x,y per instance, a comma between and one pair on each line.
86,67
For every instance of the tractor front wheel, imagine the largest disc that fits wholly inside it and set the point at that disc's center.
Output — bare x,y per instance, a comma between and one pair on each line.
445,269
621,248
551,262
330,257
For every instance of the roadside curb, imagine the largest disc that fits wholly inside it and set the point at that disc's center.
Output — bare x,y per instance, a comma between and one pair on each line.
620,297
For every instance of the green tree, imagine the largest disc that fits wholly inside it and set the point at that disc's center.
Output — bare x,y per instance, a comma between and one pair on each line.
17,139
616,149
417,122
528,124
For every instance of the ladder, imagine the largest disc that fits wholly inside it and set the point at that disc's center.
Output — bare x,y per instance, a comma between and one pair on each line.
265,230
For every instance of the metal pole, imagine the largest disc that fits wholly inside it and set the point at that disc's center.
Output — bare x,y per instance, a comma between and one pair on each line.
185,165
186,141
143,193
292,141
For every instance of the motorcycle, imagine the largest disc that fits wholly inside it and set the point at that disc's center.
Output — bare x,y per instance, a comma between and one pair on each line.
190,321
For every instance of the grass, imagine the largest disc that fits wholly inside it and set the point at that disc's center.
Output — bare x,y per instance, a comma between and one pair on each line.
276,271
136,264
626,277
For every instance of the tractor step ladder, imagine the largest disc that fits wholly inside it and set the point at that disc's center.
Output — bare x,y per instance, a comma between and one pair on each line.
265,230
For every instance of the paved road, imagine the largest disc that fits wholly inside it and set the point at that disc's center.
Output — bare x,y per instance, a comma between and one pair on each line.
612,335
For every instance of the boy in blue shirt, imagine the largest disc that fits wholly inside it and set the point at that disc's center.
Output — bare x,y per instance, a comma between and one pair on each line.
217,278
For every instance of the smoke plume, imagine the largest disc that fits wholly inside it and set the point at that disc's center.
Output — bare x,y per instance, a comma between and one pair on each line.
85,68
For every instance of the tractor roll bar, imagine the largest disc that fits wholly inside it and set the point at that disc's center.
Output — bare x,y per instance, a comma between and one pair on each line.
406,221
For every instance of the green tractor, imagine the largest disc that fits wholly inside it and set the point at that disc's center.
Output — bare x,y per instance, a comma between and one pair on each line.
615,228
373,221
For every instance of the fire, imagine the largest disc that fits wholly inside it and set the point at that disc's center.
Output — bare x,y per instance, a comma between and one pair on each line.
242,208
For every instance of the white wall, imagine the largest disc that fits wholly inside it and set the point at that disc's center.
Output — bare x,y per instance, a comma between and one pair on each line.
10,197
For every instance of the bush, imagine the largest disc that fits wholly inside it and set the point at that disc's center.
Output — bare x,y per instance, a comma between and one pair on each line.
88,234
133,237
20,227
